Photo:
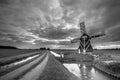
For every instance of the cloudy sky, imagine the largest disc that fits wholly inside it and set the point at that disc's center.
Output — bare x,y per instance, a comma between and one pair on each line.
52,23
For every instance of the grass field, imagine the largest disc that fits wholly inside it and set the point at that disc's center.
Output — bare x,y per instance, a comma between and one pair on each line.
68,51
103,54
14,52
8,56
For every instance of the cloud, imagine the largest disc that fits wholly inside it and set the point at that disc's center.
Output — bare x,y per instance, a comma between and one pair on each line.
52,22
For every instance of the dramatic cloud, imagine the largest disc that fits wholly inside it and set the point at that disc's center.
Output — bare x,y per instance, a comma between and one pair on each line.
52,23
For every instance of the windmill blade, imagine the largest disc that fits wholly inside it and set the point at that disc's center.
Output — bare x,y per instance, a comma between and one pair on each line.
75,40
102,33
82,27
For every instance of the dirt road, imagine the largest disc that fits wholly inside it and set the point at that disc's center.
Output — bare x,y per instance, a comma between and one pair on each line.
28,71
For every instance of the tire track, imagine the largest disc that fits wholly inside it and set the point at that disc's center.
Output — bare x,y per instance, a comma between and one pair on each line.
16,74
35,72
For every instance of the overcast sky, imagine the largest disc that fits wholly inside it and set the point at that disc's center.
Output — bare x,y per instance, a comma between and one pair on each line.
52,23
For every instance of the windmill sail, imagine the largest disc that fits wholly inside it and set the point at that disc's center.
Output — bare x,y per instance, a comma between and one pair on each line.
102,33
82,28
75,40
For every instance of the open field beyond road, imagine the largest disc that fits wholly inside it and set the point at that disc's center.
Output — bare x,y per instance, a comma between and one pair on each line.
15,52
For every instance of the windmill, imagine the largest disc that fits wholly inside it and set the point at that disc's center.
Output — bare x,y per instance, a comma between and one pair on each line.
85,39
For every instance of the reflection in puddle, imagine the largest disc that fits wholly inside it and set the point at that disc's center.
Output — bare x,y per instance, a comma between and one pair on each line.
73,68
87,72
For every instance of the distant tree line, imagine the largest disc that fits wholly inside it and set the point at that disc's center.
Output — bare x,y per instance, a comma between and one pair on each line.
109,49
113,49
7,47
44,48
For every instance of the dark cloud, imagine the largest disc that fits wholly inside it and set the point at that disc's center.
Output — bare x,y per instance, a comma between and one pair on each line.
111,15
113,33
111,19
71,3
2,2
57,33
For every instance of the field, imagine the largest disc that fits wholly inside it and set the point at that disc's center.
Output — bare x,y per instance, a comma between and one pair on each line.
14,52
113,53
8,56
64,51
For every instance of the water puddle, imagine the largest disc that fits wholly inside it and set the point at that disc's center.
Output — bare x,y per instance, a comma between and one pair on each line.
87,72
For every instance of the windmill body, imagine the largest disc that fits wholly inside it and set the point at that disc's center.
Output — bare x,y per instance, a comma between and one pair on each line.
85,40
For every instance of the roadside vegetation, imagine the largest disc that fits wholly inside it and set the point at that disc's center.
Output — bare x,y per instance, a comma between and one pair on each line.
13,55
